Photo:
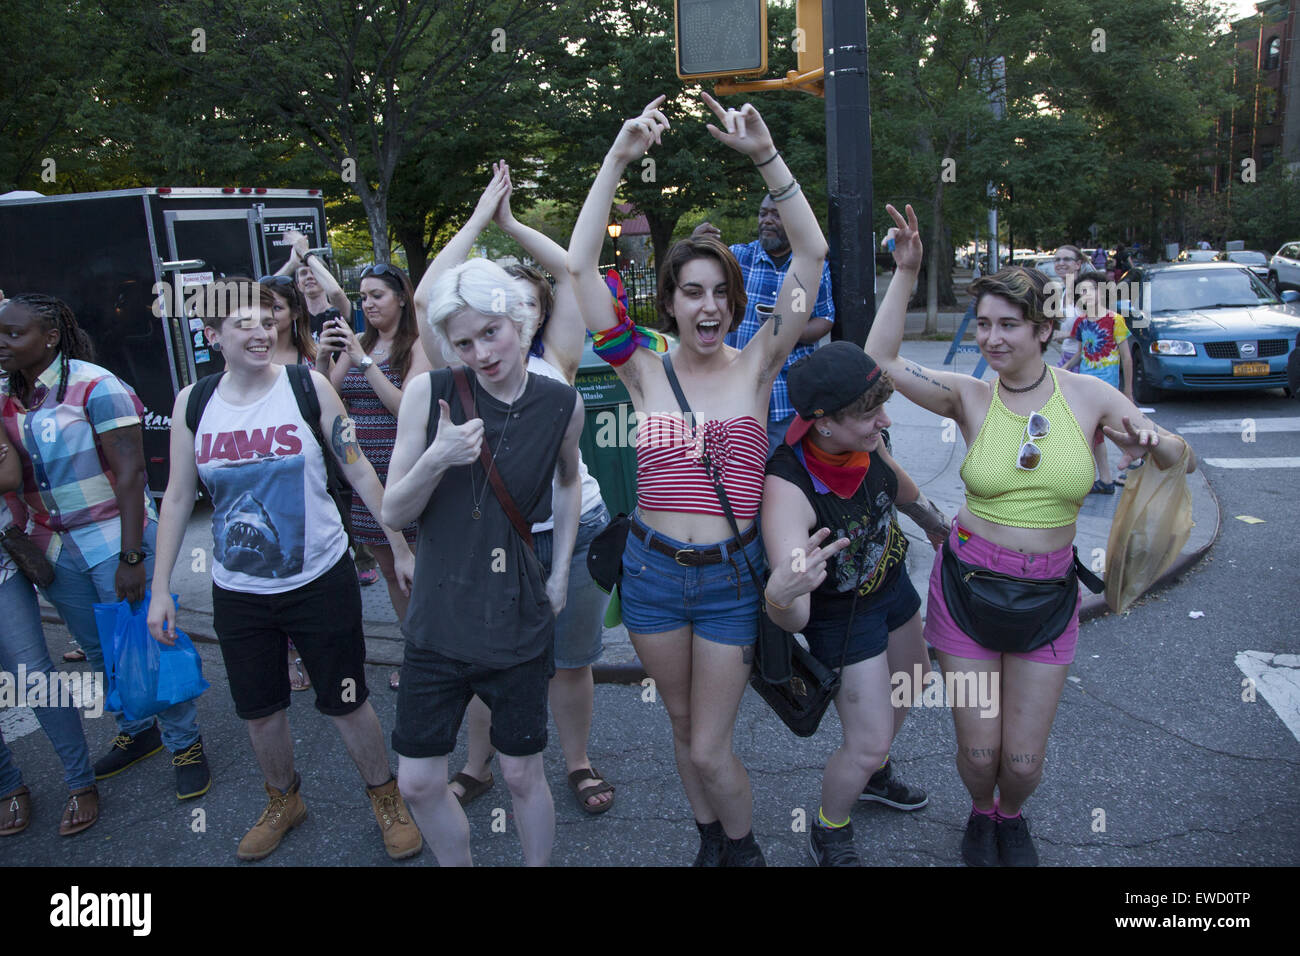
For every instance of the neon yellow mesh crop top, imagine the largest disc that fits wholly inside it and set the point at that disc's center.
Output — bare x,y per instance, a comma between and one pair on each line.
1051,494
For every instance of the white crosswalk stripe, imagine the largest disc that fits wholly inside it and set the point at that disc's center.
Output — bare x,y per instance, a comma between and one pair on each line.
1253,462
1231,426
1247,427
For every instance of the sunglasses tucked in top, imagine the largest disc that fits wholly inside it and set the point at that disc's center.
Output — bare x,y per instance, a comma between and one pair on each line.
1036,428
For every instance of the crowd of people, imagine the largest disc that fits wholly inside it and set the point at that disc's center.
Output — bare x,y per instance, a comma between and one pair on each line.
454,421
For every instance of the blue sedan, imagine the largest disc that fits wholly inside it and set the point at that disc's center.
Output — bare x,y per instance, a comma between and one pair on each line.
1206,326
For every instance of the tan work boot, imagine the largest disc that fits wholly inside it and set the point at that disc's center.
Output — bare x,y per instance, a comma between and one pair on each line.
401,835
284,812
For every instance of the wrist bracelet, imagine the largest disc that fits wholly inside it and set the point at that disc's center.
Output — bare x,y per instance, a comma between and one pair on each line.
766,161
787,192
779,607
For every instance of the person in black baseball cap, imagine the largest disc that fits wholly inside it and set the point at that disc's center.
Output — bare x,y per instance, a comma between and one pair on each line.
834,480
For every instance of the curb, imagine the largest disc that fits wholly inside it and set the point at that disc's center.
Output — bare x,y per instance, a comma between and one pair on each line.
632,672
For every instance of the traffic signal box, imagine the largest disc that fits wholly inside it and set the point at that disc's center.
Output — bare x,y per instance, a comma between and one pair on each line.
719,39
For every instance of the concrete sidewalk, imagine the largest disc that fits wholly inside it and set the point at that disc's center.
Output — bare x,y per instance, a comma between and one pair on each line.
931,454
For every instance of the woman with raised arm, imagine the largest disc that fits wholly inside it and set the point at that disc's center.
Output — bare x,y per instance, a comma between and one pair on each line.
1027,471
321,292
370,373
554,337
689,604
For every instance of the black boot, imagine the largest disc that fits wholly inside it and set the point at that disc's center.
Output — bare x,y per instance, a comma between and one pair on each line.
711,840
742,852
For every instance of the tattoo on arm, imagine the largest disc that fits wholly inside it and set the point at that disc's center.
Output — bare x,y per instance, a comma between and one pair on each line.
919,373
776,323
344,440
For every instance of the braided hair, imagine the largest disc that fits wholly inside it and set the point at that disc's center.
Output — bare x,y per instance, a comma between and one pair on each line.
74,343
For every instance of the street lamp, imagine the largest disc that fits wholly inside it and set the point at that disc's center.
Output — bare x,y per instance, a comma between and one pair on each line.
615,230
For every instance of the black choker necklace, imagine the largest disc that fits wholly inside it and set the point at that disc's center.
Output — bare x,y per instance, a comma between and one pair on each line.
1027,388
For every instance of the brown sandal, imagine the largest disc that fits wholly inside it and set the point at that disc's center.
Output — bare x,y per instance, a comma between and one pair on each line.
15,812
86,797
303,682
583,794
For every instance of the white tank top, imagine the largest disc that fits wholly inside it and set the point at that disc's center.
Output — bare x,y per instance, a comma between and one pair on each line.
590,487
274,525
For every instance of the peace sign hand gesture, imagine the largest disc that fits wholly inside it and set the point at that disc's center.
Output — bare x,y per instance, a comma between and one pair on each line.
806,569
743,129
640,133
907,239
1134,442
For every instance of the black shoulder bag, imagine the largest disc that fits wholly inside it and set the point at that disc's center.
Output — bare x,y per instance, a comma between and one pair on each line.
793,682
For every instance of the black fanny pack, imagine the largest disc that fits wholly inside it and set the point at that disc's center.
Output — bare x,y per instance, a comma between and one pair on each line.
1010,614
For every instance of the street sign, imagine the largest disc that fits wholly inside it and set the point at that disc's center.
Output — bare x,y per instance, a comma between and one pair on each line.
721,38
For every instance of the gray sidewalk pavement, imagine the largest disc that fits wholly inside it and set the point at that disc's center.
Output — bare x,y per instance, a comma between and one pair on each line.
931,454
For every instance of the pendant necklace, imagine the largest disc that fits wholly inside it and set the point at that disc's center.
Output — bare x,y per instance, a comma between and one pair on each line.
480,495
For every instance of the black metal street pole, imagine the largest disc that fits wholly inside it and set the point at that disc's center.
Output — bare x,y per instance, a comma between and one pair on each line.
848,168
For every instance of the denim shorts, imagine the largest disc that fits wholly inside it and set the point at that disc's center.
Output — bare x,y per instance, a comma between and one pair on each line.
873,618
718,601
579,627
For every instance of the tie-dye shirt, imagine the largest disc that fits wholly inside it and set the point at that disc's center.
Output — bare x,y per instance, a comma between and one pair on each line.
1099,339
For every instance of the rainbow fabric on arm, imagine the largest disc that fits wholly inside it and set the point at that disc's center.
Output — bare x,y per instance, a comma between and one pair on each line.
617,344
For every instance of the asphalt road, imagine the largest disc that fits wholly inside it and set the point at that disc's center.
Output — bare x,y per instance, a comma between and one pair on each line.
1152,740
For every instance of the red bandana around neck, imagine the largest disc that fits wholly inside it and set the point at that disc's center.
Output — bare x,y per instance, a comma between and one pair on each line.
842,474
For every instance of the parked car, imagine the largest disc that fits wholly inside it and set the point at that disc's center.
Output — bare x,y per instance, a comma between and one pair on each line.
1284,268
1043,264
1256,262
1198,255
1293,370
1208,326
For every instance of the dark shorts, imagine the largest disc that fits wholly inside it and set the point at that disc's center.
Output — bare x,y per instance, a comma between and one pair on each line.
324,619
435,690
873,619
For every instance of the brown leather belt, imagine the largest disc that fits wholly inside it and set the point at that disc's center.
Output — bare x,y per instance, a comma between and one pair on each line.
691,557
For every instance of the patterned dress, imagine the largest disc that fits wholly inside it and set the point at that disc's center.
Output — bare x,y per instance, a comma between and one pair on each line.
376,433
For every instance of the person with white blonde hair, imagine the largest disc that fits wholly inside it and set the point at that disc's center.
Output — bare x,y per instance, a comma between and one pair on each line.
482,613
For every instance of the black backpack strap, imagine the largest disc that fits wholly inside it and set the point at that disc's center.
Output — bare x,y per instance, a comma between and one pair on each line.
200,395
304,392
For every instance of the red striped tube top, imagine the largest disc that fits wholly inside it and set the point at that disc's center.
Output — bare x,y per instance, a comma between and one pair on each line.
671,477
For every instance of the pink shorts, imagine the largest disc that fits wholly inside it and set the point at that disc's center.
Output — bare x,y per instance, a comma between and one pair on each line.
942,632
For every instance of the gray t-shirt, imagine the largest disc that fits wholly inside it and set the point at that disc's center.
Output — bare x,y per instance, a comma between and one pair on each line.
479,593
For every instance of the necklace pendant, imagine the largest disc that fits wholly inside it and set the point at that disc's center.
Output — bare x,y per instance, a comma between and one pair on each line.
475,514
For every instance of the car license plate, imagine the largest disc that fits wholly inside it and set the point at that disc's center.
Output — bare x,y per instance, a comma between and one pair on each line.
1250,368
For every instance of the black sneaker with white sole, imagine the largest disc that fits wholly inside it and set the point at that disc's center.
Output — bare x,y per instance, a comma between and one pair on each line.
884,787
1015,845
833,847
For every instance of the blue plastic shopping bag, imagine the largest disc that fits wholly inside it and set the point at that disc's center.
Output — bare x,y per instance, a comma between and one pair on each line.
144,676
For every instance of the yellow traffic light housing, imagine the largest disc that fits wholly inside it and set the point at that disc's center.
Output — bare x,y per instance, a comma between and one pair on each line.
808,35
720,38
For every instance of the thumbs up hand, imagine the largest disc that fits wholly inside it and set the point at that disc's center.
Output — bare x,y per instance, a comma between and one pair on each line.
457,444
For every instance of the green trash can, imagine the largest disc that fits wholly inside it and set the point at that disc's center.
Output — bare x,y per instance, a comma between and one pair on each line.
608,442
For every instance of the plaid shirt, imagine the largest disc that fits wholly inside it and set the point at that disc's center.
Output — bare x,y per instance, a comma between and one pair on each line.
67,487
762,282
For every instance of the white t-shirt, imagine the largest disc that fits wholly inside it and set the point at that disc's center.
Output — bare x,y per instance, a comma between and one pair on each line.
274,525
590,487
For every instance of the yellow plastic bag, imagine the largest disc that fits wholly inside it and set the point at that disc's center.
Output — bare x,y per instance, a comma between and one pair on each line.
1152,523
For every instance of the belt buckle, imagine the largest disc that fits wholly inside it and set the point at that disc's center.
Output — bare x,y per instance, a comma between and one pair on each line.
678,557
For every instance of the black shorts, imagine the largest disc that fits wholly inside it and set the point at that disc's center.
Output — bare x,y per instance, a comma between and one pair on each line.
324,619
435,690
873,619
